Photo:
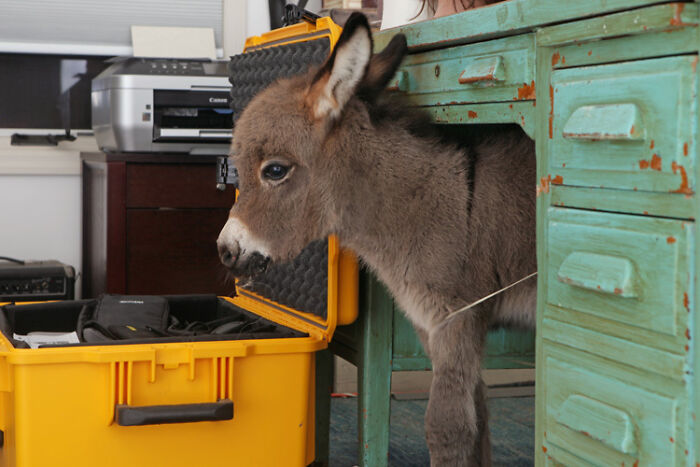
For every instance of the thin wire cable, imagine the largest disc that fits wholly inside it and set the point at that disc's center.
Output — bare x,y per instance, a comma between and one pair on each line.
483,299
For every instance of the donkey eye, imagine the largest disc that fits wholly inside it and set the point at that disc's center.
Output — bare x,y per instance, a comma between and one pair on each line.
275,171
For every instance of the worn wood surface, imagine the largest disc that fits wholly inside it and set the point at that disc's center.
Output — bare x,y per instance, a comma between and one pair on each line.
631,424
543,113
616,49
650,100
506,18
406,348
374,373
520,113
457,75
619,267
666,18
616,378
644,203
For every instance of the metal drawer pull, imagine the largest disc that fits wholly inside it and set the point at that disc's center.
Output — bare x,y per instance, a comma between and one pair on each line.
599,421
600,273
613,122
483,71
399,82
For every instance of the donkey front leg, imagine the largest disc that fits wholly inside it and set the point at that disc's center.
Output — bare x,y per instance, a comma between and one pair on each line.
456,418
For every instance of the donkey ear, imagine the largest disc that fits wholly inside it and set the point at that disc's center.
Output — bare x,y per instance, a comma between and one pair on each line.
382,67
337,80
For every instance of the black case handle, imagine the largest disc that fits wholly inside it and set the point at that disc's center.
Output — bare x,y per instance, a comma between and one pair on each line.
183,413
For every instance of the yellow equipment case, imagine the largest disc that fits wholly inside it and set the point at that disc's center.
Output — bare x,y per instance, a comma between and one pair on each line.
233,400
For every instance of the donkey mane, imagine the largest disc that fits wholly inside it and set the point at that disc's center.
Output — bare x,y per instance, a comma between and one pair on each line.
391,111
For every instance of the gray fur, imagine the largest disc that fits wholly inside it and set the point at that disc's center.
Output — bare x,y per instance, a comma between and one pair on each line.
441,225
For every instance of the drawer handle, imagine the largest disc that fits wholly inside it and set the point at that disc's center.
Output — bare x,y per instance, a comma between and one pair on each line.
399,82
600,273
614,122
483,71
599,421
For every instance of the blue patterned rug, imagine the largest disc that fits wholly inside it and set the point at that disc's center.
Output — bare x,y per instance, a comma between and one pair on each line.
512,423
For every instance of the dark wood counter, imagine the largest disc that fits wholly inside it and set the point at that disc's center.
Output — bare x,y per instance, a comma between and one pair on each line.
150,223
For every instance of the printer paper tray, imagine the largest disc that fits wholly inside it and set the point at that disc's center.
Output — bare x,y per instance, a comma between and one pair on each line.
180,133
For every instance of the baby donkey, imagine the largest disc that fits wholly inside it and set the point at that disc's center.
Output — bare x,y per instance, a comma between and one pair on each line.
442,225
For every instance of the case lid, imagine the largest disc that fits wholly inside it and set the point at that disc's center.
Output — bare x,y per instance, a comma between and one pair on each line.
278,54
317,290
300,32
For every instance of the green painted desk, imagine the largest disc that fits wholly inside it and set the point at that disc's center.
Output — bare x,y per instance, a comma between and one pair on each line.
608,89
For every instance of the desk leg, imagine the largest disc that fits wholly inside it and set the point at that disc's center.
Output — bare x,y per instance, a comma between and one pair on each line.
324,383
374,372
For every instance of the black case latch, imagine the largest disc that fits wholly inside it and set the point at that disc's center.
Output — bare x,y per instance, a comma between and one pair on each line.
296,13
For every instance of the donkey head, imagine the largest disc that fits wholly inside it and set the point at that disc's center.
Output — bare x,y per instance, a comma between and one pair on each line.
283,148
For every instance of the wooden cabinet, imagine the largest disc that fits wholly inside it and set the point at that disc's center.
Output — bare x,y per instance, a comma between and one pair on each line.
150,224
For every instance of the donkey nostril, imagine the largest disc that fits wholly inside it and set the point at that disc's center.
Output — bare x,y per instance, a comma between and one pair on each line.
226,256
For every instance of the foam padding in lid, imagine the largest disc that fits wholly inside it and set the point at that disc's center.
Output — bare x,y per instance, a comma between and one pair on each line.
301,284
251,72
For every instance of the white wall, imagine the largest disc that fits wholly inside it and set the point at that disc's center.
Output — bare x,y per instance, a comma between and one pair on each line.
41,217
40,187
245,18
96,27
399,12
41,203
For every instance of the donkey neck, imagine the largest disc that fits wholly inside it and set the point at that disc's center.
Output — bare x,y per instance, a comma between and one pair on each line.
400,201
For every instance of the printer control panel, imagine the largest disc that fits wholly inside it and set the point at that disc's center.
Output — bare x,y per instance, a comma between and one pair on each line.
177,67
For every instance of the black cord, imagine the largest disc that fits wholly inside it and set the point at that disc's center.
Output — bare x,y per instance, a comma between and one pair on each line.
12,260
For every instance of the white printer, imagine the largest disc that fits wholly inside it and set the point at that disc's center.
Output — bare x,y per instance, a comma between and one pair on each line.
162,105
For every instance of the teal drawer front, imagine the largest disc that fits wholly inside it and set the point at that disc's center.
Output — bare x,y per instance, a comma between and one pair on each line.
607,340
627,269
626,125
595,416
495,71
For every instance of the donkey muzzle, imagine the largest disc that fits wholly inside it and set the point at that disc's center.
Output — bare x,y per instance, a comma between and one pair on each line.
240,251
242,265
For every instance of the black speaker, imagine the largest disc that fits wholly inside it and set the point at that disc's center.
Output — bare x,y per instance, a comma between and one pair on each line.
22,281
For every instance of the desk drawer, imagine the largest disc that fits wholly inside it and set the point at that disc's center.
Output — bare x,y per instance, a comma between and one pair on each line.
596,413
626,125
628,269
494,71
